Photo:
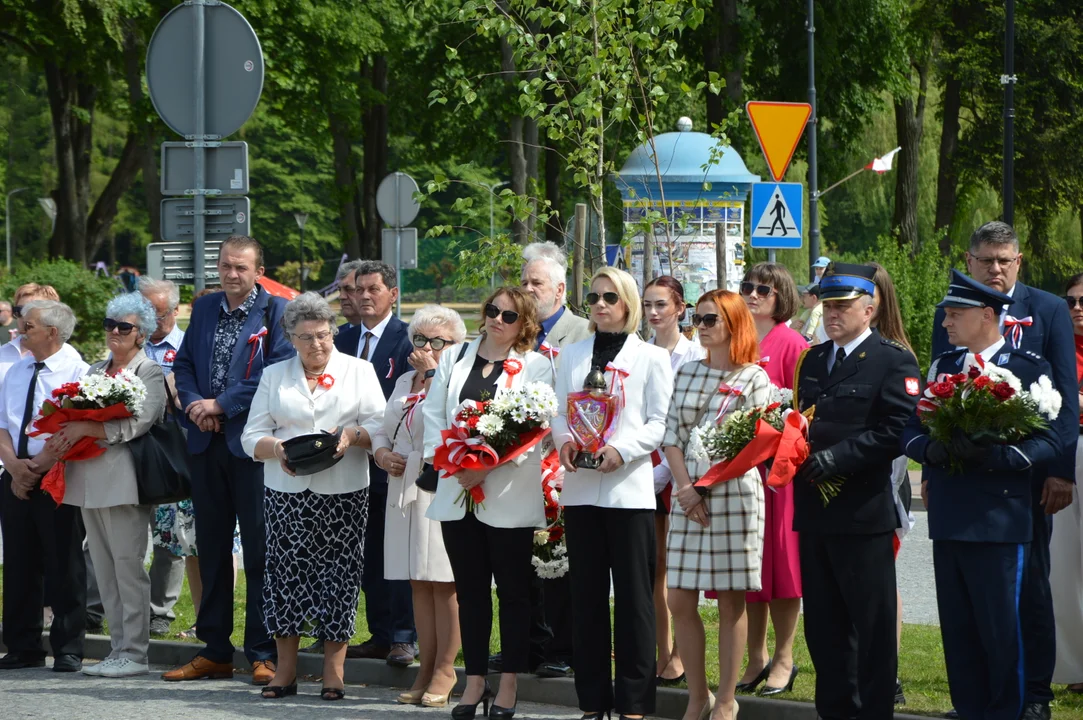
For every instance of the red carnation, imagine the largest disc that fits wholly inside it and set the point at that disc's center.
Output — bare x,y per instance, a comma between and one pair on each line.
942,389
556,533
982,381
472,421
1003,391
974,372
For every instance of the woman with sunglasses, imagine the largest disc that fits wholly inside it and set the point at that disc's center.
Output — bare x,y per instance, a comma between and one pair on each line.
1066,547
413,544
106,489
609,512
663,307
494,539
770,293
716,533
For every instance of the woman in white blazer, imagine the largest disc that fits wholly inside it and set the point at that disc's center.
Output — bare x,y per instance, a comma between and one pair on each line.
413,544
315,523
494,540
609,512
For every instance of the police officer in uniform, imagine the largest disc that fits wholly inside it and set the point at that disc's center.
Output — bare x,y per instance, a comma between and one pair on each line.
862,388
980,519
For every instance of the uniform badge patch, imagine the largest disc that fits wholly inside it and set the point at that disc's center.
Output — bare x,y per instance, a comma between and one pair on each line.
1003,359
912,386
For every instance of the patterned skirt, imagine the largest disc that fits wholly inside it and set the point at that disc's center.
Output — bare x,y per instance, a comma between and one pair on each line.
175,528
727,554
315,559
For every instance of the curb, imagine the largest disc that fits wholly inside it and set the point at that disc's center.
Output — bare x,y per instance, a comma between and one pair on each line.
670,702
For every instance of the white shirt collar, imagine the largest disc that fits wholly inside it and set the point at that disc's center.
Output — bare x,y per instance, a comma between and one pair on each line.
1011,292
61,358
377,331
853,344
173,339
988,353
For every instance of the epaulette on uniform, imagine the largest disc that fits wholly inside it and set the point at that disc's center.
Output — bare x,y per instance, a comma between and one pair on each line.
955,351
1030,355
891,343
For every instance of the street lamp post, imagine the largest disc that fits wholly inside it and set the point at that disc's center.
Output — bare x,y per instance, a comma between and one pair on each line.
301,219
7,221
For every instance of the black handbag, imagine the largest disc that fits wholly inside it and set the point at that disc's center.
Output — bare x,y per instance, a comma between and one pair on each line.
426,481
161,461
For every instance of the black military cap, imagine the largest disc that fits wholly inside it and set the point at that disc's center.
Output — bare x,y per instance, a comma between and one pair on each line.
843,281
310,454
966,292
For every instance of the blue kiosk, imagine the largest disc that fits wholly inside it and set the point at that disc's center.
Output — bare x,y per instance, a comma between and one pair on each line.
700,199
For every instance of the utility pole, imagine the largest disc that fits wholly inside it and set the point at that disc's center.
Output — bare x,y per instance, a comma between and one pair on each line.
7,221
1008,81
813,192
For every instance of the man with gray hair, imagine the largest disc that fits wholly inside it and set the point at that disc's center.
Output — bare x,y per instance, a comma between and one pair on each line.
42,541
1039,322
166,569
346,291
545,271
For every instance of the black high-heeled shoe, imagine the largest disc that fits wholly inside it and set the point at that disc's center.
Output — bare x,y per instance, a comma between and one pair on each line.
273,692
496,712
768,690
463,711
750,687
597,716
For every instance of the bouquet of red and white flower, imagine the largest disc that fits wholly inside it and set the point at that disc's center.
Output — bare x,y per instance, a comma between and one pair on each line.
95,398
988,405
489,433
550,559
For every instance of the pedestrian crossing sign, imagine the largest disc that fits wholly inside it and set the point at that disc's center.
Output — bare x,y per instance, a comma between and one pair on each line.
777,215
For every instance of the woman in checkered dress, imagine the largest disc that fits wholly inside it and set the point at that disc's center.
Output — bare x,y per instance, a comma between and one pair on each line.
715,540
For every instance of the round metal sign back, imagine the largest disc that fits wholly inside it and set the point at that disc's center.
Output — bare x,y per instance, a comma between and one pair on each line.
233,69
395,200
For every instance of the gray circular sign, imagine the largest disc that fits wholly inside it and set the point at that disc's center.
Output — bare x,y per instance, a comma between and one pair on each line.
233,69
395,200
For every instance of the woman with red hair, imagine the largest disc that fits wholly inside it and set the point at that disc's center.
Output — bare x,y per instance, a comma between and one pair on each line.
716,534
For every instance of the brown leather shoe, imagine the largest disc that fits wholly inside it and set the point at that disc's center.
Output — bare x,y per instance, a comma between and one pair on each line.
263,672
199,669
368,649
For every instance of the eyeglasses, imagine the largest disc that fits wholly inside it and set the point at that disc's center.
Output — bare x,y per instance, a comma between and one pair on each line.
124,328
1073,301
16,311
611,298
435,343
318,337
748,288
989,262
708,321
491,311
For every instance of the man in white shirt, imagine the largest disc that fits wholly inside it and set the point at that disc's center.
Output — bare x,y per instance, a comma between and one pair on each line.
13,351
166,569
29,515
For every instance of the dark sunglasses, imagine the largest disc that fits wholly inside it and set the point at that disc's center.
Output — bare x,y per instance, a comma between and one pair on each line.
708,321
124,328
1073,301
763,290
491,311
436,343
611,298
16,311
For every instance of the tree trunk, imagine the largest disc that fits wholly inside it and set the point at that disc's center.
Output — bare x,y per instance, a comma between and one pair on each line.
554,226
133,60
345,184
105,208
374,126
69,224
516,152
909,123
723,54
530,151
947,177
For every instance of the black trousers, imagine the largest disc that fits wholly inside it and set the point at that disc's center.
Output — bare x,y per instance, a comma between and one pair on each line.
43,545
849,605
227,490
1036,609
478,554
601,542
389,604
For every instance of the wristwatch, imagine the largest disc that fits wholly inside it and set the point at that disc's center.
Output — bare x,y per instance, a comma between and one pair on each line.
430,373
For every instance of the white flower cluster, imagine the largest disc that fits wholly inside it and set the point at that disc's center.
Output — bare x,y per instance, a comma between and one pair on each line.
1046,397
782,396
697,444
999,374
489,424
555,568
106,390
533,402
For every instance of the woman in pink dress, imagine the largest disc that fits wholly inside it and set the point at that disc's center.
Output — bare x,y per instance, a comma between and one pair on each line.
771,294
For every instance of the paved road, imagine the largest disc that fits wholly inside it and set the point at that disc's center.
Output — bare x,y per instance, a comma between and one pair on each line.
45,695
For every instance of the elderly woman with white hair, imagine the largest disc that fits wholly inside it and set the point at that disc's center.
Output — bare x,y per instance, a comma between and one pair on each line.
106,489
315,518
413,544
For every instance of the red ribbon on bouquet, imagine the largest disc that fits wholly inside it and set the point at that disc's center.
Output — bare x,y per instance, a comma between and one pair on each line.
792,451
83,449
457,452
760,449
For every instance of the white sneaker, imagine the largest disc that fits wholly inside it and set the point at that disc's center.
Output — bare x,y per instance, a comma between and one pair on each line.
95,670
124,667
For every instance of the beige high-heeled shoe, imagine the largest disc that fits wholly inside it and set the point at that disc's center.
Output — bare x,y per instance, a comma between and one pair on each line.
411,697
708,707
435,701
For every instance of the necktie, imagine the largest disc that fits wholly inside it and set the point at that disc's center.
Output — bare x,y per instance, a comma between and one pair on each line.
840,357
365,347
28,411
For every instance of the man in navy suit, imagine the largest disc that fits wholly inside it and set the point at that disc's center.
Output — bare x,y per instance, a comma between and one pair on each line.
383,340
1037,321
232,336
980,519
346,292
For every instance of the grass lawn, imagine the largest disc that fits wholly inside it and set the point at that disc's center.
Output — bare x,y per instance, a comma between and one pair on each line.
921,661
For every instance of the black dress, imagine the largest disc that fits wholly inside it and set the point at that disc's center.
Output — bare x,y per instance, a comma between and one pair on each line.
477,387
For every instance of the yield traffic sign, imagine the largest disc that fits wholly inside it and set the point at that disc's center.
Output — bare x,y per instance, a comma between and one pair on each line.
778,127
